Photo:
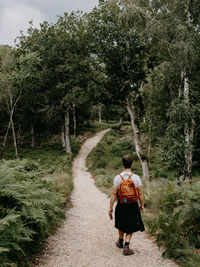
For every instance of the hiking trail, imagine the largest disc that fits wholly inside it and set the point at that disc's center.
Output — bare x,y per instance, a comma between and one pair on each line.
87,237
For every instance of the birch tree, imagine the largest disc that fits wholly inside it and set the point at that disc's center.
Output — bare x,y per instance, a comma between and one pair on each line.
121,53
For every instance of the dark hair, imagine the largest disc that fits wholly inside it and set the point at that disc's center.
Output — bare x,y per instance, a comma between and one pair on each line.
127,161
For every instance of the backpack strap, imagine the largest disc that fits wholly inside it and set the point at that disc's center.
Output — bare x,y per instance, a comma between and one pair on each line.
130,176
121,177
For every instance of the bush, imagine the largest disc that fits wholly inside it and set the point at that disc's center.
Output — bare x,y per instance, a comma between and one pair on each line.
174,220
30,209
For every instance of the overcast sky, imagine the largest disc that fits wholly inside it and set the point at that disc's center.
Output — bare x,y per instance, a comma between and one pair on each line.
15,14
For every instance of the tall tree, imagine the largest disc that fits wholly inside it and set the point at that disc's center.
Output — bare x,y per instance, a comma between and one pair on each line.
122,55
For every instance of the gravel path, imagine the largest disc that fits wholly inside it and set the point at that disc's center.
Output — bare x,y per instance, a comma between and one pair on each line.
87,238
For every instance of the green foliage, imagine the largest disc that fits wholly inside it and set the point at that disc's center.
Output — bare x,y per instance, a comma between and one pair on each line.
33,190
30,209
173,146
122,147
173,218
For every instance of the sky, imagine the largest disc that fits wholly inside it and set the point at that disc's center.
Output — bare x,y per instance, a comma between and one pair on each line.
16,14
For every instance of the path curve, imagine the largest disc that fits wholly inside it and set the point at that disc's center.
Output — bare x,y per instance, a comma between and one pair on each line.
87,238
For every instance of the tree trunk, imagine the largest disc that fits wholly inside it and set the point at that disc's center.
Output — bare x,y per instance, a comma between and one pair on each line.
67,141
100,110
119,124
180,87
32,136
74,118
63,137
6,136
144,163
13,132
189,133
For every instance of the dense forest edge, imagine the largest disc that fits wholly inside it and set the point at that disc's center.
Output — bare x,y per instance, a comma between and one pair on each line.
132,66
171,210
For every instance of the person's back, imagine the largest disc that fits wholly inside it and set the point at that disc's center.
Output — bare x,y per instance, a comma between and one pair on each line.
127,215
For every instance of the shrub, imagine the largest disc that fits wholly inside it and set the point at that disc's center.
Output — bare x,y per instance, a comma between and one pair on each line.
30,209
174,220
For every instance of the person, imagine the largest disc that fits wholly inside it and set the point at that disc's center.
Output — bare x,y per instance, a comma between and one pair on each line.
127,216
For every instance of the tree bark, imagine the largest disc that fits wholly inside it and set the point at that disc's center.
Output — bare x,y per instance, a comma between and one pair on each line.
136,139
13,132
120,124
6,136
11,111
63,136
67,141
74,118
100,110
189,133
180,87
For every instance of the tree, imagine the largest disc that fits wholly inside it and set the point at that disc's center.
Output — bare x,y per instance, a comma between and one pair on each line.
123,58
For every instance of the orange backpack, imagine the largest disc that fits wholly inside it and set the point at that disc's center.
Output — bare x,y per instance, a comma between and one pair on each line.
127,192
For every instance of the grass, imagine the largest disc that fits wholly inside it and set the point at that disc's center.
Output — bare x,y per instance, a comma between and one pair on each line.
172,212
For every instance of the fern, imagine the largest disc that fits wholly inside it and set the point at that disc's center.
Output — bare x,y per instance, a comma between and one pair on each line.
176,222
30,209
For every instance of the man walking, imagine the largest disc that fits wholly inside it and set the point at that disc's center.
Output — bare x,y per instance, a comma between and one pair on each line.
128,189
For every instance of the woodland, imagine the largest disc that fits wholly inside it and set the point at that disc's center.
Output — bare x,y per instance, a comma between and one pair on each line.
127,62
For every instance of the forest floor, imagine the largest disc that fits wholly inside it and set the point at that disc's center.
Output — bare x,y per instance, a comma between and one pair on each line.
87,238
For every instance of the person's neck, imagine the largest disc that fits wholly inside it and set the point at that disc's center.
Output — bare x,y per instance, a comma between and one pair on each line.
127,170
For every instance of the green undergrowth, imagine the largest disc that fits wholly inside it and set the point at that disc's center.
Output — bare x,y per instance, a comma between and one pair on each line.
172,212
30,210
173,216
33,192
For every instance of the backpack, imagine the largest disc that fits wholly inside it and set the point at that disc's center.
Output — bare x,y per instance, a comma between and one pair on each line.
127,192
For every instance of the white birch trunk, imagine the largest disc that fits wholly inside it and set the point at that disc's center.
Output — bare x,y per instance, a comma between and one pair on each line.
13,132
189,132
120,123
144,163
6,136
63,137
67,141
180,87
100,120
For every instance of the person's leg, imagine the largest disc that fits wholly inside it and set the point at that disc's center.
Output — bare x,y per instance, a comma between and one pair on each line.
121,234
127,250
128,238
120,241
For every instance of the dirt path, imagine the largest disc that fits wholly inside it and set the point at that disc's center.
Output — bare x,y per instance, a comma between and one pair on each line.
87,238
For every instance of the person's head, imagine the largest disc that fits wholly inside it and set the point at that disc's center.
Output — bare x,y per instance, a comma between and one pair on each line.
127,161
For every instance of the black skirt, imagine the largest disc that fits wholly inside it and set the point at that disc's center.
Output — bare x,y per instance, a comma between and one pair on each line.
128,218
